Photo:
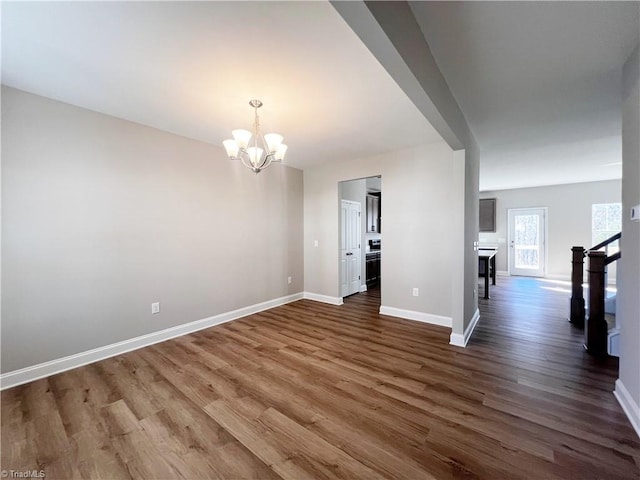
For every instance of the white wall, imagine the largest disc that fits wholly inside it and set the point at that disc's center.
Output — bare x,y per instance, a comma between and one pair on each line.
568,221
423,200
628,302
101,217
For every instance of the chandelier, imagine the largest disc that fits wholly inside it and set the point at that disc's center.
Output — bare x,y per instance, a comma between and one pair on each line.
253,156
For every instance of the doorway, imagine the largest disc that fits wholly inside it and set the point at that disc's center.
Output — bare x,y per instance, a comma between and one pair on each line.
361,274
350,254
527,241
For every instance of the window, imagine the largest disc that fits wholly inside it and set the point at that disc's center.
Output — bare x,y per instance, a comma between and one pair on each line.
606,221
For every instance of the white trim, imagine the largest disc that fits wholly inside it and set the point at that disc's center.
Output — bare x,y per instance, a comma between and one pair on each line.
363,288
502,273
461,340
613,342
417,316
629,406
52,367
322,298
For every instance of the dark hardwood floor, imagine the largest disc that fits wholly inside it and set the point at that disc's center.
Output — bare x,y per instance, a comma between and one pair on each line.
310,390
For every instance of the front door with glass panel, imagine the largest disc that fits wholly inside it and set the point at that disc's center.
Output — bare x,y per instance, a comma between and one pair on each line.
527,241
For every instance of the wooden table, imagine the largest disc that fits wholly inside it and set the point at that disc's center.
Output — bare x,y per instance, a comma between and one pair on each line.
488,257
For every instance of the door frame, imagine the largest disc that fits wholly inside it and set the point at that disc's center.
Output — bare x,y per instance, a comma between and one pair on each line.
363,215
545,239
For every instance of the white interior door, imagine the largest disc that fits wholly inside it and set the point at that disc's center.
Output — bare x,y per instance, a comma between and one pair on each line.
527,245
350,252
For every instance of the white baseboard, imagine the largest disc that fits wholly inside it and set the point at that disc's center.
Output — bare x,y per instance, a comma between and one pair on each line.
417,316
363,288
461,340
323,298
46,369
502,273
629,406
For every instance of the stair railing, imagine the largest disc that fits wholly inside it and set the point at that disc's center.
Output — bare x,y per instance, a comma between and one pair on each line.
597,329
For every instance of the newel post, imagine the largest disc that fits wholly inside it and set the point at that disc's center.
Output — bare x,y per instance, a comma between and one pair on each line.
576,311
596,331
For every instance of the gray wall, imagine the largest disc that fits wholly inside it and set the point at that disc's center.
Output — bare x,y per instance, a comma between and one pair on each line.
101,217
422,81
628,302
568,222
423,202
471,222
391,33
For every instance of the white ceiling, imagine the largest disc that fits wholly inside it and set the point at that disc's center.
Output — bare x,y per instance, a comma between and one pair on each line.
539,84
191,68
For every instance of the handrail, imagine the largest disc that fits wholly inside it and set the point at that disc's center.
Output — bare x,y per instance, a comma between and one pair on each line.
612,258
606,242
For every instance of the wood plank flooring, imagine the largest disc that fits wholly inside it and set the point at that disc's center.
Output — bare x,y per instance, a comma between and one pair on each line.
310,390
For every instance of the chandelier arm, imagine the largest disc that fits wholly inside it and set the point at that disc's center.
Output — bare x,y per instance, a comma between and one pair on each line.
245,161
241,152
265,163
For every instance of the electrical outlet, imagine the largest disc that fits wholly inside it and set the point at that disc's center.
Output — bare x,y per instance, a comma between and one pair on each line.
416,292
474,293
155,307
289,280
315,243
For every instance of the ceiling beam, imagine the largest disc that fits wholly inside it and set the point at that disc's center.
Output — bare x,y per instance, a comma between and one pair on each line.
390,31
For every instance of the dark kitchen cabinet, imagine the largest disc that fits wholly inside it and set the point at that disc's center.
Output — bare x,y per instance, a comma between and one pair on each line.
373,213
487,214
373,268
